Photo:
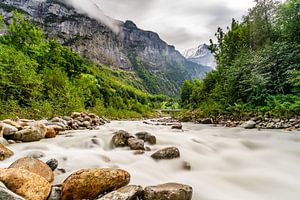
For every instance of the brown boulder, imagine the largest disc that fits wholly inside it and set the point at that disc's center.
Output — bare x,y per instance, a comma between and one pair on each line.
168,191
31,133
50,133
166,153
35,166
89,183
25,183
5,152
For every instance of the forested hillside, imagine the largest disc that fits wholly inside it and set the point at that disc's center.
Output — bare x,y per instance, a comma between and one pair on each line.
42,78
258,69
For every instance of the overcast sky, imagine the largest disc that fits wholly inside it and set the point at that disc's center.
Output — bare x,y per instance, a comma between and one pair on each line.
183,23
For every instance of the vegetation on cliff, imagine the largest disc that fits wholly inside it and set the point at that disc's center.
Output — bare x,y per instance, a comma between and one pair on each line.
258,69
42,78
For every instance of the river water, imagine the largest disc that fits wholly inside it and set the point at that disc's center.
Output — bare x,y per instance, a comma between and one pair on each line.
226,163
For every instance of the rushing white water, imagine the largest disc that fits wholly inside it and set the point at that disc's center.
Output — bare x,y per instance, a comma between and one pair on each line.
227,164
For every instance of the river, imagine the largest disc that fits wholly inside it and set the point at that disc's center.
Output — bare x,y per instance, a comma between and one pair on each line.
226,163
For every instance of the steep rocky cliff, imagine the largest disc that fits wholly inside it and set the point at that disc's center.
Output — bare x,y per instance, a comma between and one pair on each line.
161,67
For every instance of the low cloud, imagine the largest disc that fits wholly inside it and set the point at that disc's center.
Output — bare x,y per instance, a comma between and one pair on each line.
92,8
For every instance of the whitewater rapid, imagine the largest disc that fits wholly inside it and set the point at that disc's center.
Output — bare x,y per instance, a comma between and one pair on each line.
226,163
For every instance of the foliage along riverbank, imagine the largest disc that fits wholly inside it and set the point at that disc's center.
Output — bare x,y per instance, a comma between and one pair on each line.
42,78
258,71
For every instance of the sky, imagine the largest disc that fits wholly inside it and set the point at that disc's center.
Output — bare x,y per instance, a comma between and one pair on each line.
182,23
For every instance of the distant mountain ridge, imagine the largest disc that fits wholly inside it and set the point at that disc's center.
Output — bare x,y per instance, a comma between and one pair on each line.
159,65
201,55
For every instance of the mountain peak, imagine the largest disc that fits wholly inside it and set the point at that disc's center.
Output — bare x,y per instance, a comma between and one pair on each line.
201,55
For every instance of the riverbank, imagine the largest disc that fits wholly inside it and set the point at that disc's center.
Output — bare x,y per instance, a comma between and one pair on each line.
287,124
225,163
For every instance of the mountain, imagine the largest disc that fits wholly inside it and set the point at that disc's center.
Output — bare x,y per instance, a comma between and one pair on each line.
201,55
161,67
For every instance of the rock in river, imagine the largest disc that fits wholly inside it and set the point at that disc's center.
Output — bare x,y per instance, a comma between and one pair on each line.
35,166
136,144
90,183
25,183
166,153
5,152
120,138
147,137
52,163
130,192
168,191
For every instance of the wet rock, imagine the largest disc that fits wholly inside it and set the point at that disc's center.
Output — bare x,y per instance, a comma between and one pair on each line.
5,152
135,144
206,121
249,124
36,154
139,152
177,126
130,192
35,166
186,166
3,141
147,137
11,141
15,123
52,163
75,115
25,183
168,191
30,134
166,153
50,133
120,138
6,194
7,129
90,183
55,193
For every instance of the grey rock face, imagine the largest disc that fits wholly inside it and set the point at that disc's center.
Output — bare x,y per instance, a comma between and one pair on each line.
55,193
168,191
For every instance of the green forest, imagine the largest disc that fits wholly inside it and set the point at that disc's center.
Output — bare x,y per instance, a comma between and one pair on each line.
41,78
258,71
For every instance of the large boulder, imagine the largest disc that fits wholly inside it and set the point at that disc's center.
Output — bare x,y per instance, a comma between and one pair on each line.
147,137
25,183
5,152
90,183
6,194
166,153
135,144
35,166
31,133
120,138
7,129
130,192
168,191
